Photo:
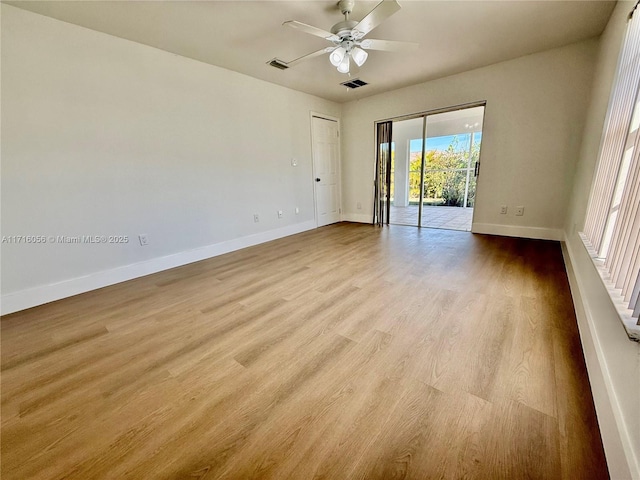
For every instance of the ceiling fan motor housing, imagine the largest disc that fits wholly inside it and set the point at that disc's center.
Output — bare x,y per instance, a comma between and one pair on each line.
344,28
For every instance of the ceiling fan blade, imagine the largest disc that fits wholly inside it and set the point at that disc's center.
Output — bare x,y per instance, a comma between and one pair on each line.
318,32
375,17
387,45
310,55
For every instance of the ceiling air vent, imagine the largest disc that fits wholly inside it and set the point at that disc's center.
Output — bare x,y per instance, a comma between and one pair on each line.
282,65
357,83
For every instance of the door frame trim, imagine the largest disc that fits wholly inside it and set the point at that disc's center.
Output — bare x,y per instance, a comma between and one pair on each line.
331,118
434,111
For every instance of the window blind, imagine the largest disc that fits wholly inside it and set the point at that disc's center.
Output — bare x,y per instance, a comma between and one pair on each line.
622,260
614,136
612,224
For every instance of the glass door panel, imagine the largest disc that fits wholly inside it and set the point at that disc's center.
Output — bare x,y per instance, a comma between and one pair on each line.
406,171
452,150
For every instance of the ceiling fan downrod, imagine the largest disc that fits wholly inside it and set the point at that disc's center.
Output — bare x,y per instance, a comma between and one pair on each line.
346,7
344,28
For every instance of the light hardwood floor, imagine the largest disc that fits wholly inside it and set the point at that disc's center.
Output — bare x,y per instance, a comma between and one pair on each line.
347,352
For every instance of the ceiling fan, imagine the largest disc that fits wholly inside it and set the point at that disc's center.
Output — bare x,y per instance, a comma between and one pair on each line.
348,39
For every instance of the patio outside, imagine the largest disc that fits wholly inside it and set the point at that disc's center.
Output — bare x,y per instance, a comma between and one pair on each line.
450,218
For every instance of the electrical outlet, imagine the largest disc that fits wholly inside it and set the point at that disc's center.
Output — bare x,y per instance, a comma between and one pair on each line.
256,218
297,210
359,206
519,211
294,162
280,214
144,240
503,210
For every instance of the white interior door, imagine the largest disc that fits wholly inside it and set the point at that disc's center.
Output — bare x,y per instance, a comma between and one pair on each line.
326,170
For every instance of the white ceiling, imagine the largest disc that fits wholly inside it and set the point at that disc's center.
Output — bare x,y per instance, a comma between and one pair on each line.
243,35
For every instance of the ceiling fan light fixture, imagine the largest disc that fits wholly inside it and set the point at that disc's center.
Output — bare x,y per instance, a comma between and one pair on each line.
344,65
347,36
359,56
337,56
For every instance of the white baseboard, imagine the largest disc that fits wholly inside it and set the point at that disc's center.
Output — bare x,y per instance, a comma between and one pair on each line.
518,231
357,217
13,302
618,447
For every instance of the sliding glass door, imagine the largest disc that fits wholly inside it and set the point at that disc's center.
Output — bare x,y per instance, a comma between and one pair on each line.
435,162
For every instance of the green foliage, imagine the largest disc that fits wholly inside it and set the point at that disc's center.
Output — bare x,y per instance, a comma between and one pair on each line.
445,175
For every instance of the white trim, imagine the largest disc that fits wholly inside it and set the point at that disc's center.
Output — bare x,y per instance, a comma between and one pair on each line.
324,116
518,231
615,437
13,302
435,111
357,217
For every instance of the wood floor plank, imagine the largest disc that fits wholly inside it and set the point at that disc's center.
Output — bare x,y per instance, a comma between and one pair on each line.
576,413
520,442
344,352
528,374
430,435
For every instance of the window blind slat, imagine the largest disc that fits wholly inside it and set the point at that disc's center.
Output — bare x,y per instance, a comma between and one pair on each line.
634,303
629,284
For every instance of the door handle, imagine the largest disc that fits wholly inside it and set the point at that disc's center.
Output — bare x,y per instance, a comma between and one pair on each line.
476,170
317,179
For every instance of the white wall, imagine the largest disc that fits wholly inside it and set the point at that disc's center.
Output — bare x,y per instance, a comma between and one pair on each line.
613,361
533,123
103,136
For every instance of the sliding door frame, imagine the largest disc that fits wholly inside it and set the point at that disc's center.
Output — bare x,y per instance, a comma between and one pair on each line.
422,164
424,115
409,116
